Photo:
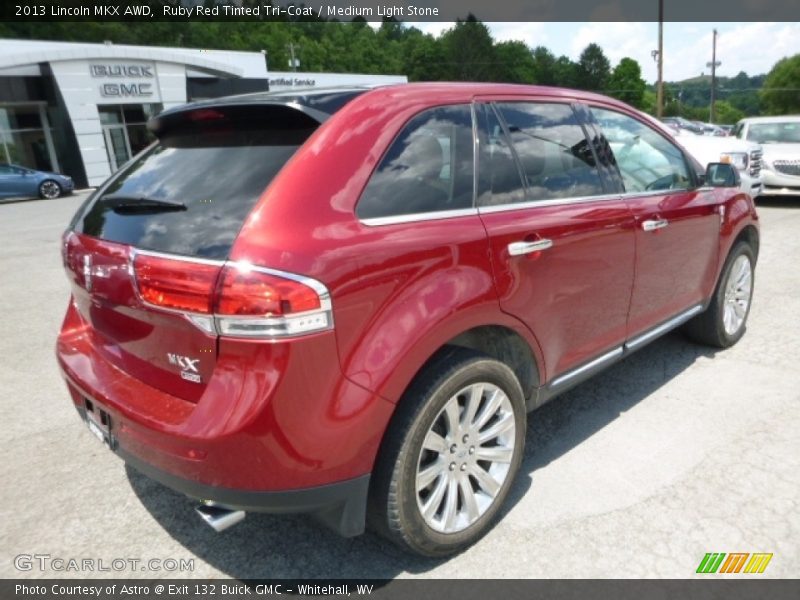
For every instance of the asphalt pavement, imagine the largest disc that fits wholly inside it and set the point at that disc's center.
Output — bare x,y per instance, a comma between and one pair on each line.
675,452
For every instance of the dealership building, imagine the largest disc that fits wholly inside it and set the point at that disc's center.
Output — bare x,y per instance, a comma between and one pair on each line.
81,109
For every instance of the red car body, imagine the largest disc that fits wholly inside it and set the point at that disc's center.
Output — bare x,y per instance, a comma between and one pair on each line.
295,424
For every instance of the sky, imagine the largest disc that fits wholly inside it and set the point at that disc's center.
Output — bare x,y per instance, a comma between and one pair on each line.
751,47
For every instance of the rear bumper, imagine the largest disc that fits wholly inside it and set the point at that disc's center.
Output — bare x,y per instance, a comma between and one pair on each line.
341,505
277,429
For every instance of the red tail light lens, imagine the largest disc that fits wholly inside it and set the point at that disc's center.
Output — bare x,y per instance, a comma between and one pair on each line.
235,299
245,291
176,284
260,303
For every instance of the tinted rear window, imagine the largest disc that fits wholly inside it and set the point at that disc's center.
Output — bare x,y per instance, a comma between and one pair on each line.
217,170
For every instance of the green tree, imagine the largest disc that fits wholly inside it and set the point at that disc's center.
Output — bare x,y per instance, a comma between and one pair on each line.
544,66
566,72
781,92
727,113
468,51
626,83
515,63
593,69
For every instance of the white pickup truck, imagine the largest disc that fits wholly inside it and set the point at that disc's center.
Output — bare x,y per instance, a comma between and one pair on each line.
745,156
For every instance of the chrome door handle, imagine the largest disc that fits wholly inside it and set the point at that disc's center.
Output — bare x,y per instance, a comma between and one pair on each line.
653,225
520,248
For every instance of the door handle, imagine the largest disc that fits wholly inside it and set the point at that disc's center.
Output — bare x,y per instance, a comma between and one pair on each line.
521,248
653,225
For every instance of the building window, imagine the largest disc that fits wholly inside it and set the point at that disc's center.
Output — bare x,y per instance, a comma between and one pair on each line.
26,137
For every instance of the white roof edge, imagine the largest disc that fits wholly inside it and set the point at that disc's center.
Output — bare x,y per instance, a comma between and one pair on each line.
51,54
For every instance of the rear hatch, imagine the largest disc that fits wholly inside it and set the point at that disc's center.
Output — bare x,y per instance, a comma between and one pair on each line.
145,252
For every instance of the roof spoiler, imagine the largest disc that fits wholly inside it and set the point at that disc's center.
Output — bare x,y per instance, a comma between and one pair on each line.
228,111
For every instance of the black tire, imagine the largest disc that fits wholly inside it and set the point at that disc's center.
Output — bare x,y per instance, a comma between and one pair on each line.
708,327
49,189
394,511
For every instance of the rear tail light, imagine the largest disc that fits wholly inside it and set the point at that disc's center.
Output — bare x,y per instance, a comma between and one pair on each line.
180,285
233,299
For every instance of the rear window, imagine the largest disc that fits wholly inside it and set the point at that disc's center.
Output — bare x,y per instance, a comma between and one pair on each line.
191,192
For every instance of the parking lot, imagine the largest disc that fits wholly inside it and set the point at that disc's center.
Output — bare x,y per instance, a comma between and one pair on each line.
675,452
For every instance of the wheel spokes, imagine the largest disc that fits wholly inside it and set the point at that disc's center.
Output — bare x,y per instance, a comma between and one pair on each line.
464,457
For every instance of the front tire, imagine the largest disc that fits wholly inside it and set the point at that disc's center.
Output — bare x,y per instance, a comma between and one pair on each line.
450,455
724,322
49,189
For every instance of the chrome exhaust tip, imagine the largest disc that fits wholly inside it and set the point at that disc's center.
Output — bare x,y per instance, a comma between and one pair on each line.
219,517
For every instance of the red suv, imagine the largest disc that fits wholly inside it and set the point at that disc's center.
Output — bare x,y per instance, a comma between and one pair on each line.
345,302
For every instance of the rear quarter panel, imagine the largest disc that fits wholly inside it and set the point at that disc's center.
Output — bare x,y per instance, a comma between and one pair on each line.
399,291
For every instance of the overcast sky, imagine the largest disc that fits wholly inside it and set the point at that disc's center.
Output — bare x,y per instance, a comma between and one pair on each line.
749,47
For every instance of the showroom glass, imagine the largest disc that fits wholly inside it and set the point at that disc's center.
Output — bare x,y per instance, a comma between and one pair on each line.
185,167
775,133
647,161
427,168
555,157
24,137
125,130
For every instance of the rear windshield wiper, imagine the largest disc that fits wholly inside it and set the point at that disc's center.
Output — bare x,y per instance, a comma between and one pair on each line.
120,203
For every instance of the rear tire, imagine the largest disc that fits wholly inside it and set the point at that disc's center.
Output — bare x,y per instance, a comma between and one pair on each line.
450,455
724,322
49,189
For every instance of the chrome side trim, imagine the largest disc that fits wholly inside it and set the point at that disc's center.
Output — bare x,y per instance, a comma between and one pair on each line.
192,259
414,217
663,328
550,202
604,358
649,193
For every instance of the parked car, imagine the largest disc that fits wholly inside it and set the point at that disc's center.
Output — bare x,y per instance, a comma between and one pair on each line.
313,302
780,139
16,181
745,156
681,123
715,130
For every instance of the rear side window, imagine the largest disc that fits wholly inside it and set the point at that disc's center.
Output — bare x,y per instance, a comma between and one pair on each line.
427,168
191,192
554,154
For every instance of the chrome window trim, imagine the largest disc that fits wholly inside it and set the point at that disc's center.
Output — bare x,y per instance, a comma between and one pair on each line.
415,217
650,193
548,202
444,214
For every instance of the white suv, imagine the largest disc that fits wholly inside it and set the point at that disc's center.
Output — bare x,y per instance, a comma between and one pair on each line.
780,140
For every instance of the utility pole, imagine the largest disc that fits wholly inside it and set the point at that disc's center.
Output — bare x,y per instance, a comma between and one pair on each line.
293,62
713,64
660,58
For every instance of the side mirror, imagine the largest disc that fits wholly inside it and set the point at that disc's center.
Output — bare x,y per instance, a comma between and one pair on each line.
722,175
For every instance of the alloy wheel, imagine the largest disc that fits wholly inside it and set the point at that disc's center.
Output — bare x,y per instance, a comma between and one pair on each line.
50,189
738,290
465,458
